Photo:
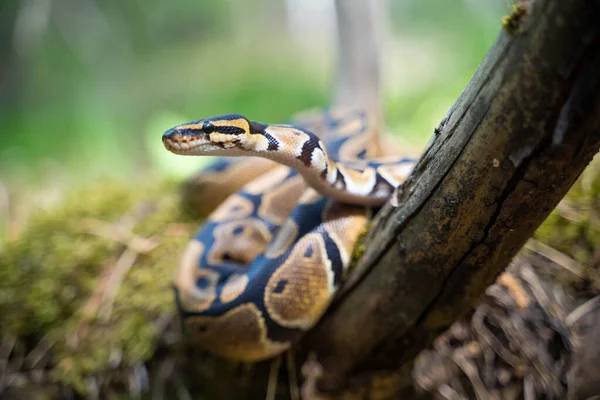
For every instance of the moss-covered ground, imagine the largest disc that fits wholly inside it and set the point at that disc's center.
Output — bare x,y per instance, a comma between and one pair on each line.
89,282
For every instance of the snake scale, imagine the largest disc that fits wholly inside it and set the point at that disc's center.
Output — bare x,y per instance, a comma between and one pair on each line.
267,262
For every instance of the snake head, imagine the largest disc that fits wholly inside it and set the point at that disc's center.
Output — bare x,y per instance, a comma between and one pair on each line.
209,136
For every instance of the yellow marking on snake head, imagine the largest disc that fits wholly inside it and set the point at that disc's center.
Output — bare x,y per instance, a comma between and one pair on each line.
192,126
208,136
228,122
229,130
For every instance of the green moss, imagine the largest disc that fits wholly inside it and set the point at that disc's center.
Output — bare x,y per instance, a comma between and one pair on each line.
55,278
512,23
573,228
358,250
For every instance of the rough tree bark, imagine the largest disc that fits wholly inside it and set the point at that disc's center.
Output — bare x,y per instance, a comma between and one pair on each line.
508,150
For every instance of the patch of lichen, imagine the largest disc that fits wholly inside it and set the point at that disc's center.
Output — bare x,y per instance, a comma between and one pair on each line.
573,228
358,250
55,279
513,22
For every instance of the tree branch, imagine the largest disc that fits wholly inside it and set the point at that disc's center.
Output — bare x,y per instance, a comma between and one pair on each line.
509,149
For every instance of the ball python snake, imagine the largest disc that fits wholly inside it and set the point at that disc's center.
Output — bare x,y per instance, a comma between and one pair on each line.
267,262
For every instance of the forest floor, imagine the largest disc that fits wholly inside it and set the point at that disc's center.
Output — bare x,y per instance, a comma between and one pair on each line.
86,307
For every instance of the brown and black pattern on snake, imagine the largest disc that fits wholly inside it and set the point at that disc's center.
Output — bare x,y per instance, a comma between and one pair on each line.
192,297
267,263
251,237
239,334
205,190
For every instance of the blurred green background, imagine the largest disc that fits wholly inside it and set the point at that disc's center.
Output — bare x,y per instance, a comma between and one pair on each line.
88,86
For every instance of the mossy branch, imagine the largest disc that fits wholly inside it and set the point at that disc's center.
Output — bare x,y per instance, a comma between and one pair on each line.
509,149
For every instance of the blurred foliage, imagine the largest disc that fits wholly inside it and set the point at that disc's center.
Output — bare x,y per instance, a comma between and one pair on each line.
89,86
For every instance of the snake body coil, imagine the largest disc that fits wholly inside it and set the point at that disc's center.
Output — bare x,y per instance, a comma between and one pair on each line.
265,266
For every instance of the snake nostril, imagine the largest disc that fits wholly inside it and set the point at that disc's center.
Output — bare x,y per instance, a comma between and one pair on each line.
171,134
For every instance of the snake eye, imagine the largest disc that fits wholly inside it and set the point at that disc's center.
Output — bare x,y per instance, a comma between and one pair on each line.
208,127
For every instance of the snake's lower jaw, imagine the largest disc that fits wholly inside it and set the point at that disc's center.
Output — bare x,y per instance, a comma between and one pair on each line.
195,145
183,142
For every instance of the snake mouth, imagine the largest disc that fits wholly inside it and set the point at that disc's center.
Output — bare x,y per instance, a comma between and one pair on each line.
182,147
180,142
